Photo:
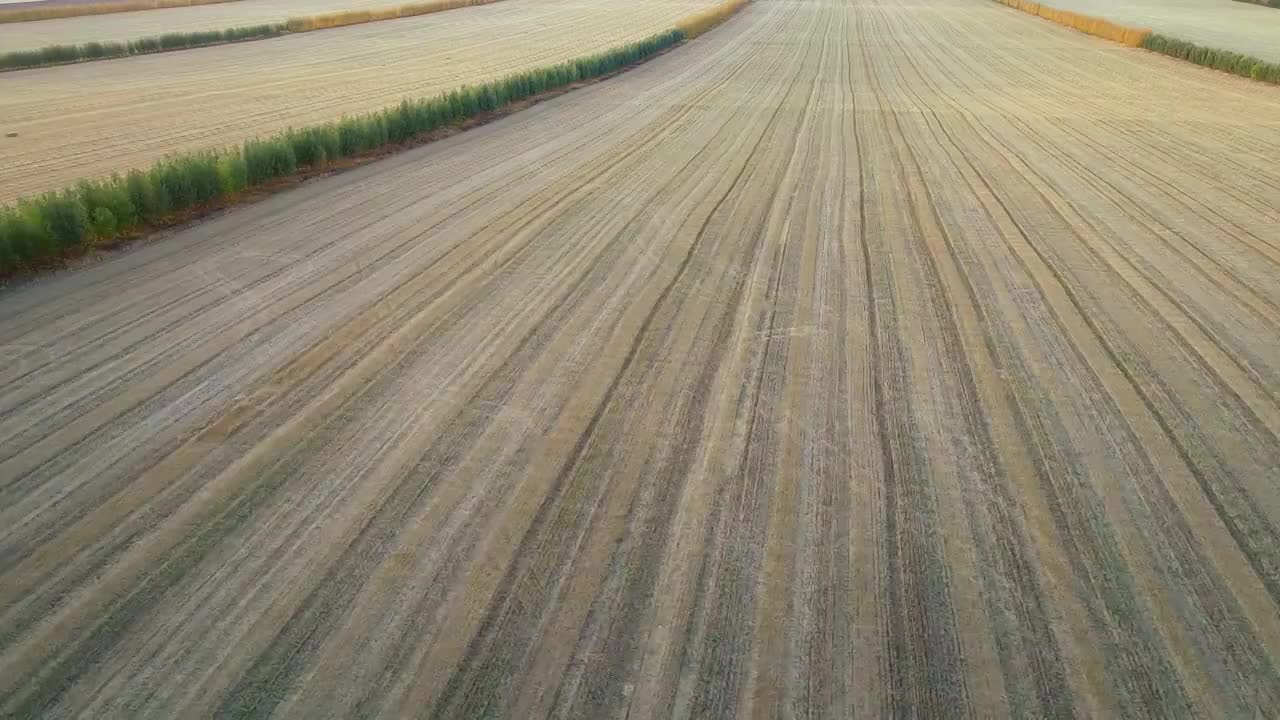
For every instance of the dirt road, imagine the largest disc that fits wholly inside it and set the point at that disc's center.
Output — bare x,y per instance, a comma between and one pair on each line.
871,359
92,119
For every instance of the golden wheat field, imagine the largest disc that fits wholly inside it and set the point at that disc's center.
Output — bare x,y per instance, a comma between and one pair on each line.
853,359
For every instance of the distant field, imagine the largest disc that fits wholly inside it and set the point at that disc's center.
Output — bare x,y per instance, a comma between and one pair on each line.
1250,29
92,119
128,26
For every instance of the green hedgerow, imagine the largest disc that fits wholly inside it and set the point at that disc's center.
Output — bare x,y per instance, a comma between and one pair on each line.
37,229
267,159
65,219
23,237
142,194
104,223
111,195
1224,60
61,54
233,173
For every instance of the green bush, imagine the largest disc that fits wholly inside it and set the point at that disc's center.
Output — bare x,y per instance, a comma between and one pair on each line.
38,229
111,195
233,173
104,223
23,237
149,204
61,54
1224,60
65,219
268,159
185,181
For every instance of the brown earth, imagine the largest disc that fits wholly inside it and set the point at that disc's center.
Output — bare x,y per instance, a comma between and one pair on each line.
92,119
915,359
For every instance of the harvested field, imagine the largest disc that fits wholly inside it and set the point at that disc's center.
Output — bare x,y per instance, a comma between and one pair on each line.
95,118
898,358
1224,24
131,26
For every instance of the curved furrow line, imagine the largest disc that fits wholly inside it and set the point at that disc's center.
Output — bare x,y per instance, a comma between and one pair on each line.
1194,565
854,359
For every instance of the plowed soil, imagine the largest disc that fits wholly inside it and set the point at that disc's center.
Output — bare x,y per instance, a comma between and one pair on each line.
893,358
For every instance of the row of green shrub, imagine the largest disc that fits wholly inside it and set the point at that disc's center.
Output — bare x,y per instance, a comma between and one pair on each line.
49,226
1264,3
62,54
1225,60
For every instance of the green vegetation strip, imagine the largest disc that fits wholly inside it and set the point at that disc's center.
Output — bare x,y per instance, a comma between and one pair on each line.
63,54
1263,3
1224,60
65,10
44,229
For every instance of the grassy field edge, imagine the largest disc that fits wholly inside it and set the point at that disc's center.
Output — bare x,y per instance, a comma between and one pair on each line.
49,230
1228,61
87,52
54,12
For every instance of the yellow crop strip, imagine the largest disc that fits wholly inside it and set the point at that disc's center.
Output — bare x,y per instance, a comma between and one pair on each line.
1105,29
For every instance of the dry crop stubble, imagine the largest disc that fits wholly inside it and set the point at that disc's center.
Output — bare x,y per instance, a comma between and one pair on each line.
856,359
92,119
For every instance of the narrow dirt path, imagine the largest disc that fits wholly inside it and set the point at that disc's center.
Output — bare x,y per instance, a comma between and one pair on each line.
854,360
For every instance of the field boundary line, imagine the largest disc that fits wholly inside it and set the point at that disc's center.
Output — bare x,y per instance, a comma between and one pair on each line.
52,55
52,229
1263,3
55,12
1228,61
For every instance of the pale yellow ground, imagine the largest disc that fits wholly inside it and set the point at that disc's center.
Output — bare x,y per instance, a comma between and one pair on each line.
890,359
146,23
95,118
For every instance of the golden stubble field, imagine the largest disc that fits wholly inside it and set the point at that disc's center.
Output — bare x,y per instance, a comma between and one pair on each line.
891,358
95,118
146,23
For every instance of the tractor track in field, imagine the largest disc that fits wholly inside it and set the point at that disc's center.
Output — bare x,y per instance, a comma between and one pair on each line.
856,359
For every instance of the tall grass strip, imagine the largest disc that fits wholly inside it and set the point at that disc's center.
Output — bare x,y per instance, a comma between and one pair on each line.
63,54
1224,60
695,25
39,230
50,12
1088,24
358,17
1263,3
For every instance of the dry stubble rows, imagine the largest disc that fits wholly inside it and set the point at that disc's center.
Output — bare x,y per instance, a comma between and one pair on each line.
852,360
96,118
133,25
